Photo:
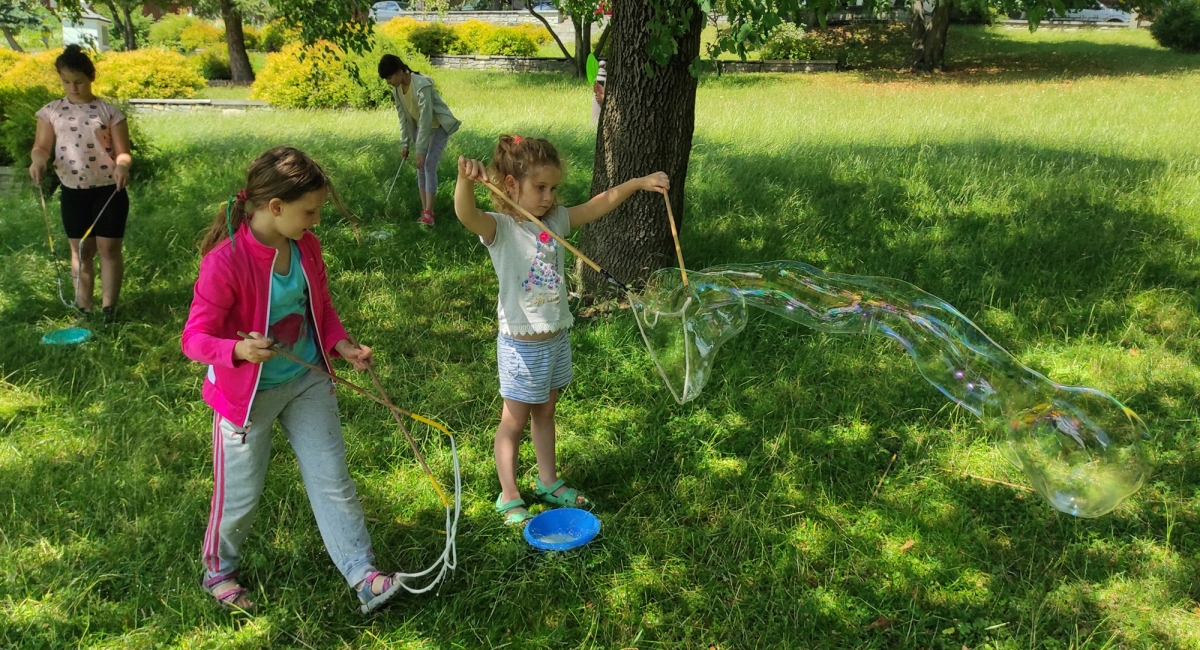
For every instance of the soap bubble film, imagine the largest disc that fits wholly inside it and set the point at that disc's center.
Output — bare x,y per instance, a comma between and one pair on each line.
1080,448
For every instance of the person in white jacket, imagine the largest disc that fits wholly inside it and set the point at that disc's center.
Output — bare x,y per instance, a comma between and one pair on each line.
426,124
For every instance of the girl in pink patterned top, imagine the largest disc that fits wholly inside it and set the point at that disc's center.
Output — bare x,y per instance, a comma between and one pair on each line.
88,140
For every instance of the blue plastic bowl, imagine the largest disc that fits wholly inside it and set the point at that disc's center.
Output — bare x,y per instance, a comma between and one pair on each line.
69,336
561,529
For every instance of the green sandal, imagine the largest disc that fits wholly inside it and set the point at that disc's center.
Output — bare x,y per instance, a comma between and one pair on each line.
568,499
506,508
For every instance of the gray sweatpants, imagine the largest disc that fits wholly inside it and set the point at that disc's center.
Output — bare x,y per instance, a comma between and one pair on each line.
427,178
308,410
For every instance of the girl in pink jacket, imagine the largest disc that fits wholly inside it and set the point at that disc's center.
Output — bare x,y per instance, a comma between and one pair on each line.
263,273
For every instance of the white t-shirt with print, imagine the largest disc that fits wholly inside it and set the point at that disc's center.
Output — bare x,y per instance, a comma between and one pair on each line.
83,141
529,266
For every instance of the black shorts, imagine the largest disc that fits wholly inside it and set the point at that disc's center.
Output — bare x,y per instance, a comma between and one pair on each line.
80,207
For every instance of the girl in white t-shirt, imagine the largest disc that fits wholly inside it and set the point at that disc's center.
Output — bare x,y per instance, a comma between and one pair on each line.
533,349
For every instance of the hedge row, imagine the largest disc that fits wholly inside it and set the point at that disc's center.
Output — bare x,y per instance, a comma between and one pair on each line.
470,37
323,76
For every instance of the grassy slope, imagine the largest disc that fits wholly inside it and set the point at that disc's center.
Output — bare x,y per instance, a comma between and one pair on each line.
1059,214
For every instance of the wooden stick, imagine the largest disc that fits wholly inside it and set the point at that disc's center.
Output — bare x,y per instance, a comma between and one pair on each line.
354,387
396,410
675,236
882,478
587,260
403,429
1024,488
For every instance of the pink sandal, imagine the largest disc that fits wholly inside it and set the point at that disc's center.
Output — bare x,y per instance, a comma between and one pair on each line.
426,218
228,599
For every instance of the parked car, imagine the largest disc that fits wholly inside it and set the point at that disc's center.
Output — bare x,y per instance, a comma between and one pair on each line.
473,5
545,8
382,12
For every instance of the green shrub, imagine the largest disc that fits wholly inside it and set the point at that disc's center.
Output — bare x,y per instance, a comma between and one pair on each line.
18,121
787,42
200,35
212,63
433,39
325,77
472,34
146,74
251,37
275,37
141,27
399,29
18,125
8,58
1178,26
538,33
166,32
507,41
33,70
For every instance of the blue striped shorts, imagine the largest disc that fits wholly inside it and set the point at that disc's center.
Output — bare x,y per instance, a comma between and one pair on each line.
529,370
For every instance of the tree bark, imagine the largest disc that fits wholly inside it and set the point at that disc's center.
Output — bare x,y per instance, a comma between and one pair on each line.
646,126
929,34
583,43
603,40
130,35
235,41
12,42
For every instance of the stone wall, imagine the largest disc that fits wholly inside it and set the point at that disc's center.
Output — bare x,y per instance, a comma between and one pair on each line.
186,105
777,66
502,63
534,64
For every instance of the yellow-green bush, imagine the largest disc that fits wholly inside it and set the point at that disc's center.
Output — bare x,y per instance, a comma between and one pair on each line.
275,36
33,70
166,32
507,41
537,33
398,29
8,58
146,74
323,79
472,34
199,35
251,37
212,63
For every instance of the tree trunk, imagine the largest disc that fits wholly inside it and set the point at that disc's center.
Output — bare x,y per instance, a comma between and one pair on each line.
602,43
12,42
583,43
565,51
235,40
646,126
124,23
935,36
130,35
916,29
929,34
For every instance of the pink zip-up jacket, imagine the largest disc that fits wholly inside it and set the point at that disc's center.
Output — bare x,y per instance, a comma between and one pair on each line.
233,293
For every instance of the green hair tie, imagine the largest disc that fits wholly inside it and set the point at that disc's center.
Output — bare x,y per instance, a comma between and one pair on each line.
229,217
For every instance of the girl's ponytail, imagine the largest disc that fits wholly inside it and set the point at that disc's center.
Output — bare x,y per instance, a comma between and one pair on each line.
283,173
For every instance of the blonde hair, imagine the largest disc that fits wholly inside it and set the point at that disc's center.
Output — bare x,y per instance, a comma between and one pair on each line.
518,157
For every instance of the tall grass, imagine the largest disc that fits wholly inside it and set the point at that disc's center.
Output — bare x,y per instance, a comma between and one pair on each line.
1059,214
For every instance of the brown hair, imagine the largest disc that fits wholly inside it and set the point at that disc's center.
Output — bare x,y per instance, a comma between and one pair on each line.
518,157
283,173
73,58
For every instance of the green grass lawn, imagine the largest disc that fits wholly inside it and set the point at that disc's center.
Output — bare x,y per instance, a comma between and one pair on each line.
1057,211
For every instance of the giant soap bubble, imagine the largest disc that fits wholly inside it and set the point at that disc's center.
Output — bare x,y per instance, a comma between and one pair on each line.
1082,450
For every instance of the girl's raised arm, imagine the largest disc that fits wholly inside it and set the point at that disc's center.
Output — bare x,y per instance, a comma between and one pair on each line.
470,171
607,201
